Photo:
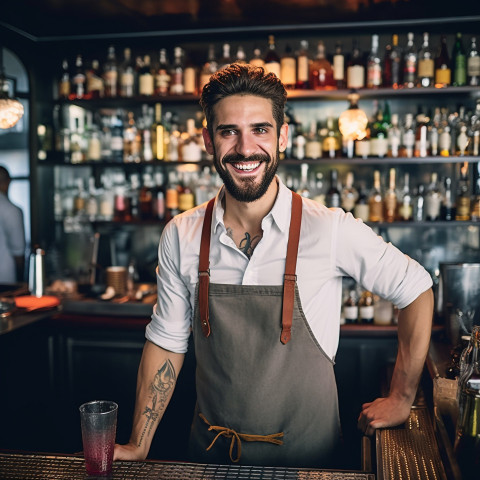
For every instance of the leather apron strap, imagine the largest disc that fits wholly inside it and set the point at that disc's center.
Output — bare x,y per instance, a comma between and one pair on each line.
289,276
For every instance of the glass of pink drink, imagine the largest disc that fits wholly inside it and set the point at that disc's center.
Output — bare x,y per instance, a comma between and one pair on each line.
99,424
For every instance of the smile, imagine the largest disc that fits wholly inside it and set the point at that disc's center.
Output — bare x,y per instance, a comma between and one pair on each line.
246,167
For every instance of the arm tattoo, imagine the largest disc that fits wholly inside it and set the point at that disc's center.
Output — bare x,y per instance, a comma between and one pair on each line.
160,391
247,244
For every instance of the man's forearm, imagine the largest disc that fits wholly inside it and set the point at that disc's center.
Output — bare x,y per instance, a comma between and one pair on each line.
414,330
157,377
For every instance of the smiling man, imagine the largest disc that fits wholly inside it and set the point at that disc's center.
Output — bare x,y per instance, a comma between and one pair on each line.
256,275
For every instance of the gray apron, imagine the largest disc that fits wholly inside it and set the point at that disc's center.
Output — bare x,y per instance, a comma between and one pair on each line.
266,391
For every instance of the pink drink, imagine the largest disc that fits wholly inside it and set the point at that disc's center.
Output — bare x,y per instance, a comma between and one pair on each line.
98,452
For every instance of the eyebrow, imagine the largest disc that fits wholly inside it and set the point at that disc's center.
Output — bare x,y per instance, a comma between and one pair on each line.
227,126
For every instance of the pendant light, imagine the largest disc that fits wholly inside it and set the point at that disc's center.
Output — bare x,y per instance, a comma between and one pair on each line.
353,121
11,110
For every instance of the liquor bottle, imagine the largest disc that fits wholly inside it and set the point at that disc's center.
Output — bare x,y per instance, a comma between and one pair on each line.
355,69
171,196
459,62
366,308
394,137
122,208
131,141
421,135
288,69
378,135
158,197
331,142
321,72
426,67
303,66
475,201
94,84
419,204
240,56
433,199
127,75
448,203
162,74
350,307
333,198
390,198
313,144
463,195
257,59
361,209
463,140
443,72
349,194
226,58
116,139
189,77
374,66
339,66
375,200
64,85
209,67
473,64
110,74
445,141
409,136
299,144
405,205
145,197
410,63
78,80
303,188
158,134
186,197
146,84
272,60
434,132
392,70
176,74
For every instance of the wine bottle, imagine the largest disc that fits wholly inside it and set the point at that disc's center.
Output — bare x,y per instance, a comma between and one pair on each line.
321,72
410,64
110,74
288,69
127,75
374,66
162,74
473,64
443,72
390,198
459,62
303,66
426,67
272,59
375,200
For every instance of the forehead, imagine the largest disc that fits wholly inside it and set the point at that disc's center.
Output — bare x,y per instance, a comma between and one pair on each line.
243,108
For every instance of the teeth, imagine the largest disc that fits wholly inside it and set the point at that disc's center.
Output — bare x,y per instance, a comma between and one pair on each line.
246,166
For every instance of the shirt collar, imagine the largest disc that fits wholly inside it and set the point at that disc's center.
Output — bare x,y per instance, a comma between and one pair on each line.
280,211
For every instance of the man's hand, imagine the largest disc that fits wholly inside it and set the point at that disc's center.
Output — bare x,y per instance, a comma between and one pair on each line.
383,412
128,452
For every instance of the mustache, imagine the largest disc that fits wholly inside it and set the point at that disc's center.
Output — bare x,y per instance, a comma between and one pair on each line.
237,157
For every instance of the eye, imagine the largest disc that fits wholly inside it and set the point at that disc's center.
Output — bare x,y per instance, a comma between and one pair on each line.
260,130
228,133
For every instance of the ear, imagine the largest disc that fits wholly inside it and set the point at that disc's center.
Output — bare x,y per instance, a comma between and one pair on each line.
283,138
208,141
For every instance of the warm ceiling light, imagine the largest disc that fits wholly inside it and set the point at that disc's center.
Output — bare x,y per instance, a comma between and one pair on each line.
353,122
11,110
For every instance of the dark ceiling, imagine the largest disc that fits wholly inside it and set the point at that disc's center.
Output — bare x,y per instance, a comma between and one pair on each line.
44,19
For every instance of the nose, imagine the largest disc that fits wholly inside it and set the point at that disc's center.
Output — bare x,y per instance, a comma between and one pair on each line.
245,145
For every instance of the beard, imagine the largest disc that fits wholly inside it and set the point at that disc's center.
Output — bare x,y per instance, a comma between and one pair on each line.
247,190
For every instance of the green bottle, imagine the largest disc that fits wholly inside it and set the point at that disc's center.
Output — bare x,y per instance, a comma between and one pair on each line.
459,63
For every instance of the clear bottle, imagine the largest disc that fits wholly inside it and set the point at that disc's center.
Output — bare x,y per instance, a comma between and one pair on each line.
459,62
443,72
421,135
303,188
473,64
390,198
374,66
448,203
409,136
366,308
303,66
375,200
209,67
392,70
288,68
426,64
349,194
110,74
333,197
162,74
433,199
321,72
419,204
410,63
146,84
127,74
394,137
405,206
355,69
272,59
339,66
176,73
445,141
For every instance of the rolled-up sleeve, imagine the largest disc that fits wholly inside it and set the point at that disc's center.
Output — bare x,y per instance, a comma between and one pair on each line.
170,324
377,265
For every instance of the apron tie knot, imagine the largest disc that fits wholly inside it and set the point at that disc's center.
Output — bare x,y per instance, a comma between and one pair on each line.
238,437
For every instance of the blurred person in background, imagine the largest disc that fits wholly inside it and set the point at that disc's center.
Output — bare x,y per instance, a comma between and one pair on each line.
12,235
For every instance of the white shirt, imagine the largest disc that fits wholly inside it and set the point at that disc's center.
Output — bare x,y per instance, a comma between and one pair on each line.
332,244
12,238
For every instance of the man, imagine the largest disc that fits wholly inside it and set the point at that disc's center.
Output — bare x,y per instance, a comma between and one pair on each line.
12,235
257,275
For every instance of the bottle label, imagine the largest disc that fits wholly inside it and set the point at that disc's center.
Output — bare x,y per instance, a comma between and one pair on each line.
287,71
374,75
356,76
171,199
350,313
273,67
186,201
176,85
361,211
379,146
366,313
426,68
405,211
460,70
338,67
473,66
145,84
443,75
302,68
313,149
127,79
432,206
189,80
162,81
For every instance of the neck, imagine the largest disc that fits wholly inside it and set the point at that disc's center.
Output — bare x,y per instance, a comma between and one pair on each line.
249,215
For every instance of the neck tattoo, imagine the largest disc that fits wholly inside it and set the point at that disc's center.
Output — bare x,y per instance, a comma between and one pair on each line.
247,244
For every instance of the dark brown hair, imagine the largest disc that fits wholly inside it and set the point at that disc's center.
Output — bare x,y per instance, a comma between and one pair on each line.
238,79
